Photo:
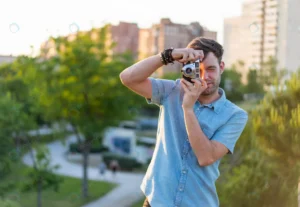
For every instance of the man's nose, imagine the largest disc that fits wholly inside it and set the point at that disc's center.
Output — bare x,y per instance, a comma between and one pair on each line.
205,75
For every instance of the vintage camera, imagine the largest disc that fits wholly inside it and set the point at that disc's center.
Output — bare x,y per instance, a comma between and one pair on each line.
191,70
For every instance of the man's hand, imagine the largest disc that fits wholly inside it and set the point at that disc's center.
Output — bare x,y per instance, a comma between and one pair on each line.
184,55
192,92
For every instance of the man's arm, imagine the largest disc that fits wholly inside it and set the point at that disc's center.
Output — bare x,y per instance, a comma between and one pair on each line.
136,76
206,151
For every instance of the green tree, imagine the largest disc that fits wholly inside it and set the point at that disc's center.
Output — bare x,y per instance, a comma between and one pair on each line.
19,109
42,174
82,86
253,84
266,170
231,82
270,74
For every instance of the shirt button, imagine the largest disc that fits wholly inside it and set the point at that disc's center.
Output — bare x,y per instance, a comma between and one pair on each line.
180,189
184,171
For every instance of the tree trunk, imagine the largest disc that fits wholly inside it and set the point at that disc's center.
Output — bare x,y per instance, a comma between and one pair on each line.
85,154
39,193
76,133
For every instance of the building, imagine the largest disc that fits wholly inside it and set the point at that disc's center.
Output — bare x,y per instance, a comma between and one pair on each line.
6,59
126,37
266,28
144,42
167,34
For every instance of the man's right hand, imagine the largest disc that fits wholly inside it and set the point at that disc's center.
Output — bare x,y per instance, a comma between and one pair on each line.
184,55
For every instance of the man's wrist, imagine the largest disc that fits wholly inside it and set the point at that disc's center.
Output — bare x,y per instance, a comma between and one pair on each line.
187,109
166,56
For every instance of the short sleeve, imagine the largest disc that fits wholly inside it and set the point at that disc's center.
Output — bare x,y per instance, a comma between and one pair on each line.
230,132
161,88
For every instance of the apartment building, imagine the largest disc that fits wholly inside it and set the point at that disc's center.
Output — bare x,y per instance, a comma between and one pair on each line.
6,59
167,34
146,41
266,28
124,36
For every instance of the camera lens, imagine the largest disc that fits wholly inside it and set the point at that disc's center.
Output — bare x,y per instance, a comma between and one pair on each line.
188,70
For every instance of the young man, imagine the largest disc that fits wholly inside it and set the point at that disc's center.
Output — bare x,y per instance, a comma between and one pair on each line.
197,126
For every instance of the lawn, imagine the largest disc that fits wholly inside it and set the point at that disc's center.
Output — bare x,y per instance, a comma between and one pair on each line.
69,194
139,204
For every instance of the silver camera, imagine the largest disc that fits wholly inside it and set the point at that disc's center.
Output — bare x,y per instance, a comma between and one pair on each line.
191,70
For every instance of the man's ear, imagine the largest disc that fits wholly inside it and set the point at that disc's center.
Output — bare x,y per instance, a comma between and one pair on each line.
222,67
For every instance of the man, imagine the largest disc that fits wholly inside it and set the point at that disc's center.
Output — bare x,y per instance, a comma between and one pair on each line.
197,126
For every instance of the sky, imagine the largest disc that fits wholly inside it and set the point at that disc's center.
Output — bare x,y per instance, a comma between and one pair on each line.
25,23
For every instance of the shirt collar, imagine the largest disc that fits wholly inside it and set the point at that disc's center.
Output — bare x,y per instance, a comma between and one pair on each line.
218,104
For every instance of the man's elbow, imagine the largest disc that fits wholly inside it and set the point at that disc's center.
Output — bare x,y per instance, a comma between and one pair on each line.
205,162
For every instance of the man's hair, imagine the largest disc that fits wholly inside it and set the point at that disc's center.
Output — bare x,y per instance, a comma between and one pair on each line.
207,45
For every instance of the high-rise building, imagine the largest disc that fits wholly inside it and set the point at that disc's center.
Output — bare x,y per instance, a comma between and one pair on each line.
167,34
266,28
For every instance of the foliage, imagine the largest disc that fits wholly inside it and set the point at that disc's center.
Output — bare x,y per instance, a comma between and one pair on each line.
265,169
232,84
126,163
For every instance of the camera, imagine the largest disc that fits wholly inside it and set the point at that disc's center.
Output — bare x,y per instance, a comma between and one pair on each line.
191,70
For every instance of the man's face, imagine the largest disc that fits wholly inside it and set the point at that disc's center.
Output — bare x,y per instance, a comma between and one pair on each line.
211,71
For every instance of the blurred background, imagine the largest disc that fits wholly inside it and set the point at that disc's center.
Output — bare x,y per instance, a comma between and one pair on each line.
67,121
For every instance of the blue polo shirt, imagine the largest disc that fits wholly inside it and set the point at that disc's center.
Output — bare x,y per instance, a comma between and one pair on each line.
174,177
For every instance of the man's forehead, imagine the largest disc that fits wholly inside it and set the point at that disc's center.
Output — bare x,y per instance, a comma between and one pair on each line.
210,60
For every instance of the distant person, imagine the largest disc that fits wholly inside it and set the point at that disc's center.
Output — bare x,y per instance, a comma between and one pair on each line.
102,169
198,125
114,166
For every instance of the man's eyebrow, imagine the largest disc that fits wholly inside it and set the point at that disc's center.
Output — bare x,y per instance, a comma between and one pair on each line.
211,67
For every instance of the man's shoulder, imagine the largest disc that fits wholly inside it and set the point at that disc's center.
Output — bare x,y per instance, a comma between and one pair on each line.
235,109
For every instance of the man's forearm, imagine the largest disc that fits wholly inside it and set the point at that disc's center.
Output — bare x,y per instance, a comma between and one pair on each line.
200,144
141,70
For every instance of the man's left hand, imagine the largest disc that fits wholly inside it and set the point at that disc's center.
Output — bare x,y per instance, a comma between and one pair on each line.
192,91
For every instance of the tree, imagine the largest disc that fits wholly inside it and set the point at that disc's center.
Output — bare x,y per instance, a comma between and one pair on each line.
266,170
253,84
42,174
19,110
270,74
9,122
277,126
82,86
231,82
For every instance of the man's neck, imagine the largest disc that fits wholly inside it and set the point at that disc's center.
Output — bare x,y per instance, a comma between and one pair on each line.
209,98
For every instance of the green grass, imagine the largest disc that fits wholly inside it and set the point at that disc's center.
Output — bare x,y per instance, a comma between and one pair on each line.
248,105
69,194
139,203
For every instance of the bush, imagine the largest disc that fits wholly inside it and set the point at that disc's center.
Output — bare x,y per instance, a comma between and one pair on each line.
75,148
125,163
8,203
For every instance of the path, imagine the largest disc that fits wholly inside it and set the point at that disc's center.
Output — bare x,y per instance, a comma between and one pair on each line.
127,193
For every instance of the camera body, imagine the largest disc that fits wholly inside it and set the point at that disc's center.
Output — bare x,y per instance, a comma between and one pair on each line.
191,70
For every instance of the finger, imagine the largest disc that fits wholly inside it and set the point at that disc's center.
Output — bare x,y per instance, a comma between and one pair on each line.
187,82
185,57
185,88
197,84
191,56
199,54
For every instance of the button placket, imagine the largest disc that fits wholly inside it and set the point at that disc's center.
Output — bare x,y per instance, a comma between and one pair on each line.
183,176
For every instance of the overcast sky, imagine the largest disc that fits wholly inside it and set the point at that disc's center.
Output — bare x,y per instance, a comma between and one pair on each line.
30,22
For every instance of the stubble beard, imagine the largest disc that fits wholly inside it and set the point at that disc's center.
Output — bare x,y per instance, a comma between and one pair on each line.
212,89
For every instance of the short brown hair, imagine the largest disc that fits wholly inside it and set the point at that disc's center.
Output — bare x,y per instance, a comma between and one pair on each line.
207,45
